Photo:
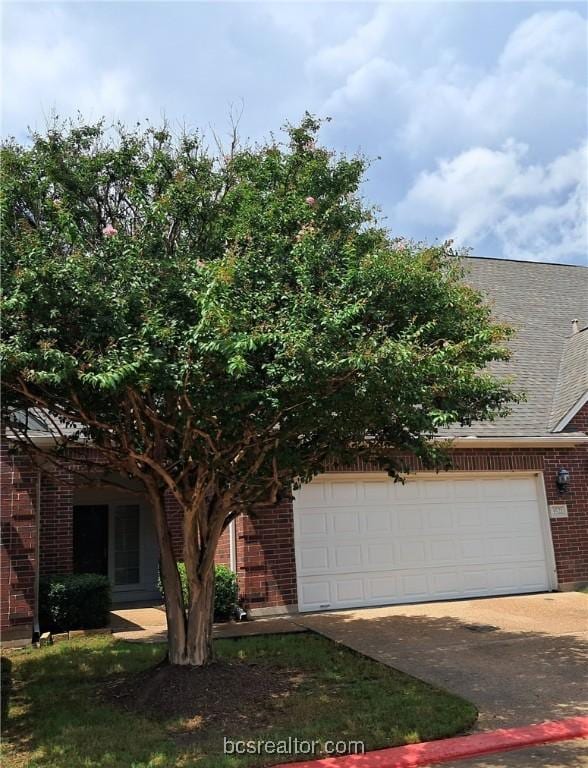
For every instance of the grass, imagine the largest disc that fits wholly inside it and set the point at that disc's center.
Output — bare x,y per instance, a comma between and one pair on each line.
57,718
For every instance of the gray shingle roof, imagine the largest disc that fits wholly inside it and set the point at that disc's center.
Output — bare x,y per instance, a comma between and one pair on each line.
573,376
540,301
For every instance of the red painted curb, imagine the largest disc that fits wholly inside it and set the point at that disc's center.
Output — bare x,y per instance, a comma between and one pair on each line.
459,747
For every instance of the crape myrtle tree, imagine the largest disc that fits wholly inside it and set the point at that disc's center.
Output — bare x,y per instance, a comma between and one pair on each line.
219,325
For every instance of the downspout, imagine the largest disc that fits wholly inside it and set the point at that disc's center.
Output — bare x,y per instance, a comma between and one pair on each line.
36,627
232,547
240,614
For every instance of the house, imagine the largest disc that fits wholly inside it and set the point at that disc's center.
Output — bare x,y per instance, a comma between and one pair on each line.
511,516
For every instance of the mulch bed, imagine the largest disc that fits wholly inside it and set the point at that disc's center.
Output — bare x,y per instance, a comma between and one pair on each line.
220,693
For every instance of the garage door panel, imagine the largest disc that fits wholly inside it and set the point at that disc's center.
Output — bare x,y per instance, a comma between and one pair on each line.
442,551
445,586
376,492
344,494
313,495
436,490
316,594
377,521
346,521
411,552
381,588
473,549
313,523
470,515
440,518
466,490
349,591
414,586
375,542
347,557
314,559
379,554
409,519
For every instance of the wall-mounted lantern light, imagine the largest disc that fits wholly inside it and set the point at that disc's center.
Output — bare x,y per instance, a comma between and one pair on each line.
562,480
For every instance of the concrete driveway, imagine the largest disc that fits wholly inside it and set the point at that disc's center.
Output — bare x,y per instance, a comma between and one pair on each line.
520,660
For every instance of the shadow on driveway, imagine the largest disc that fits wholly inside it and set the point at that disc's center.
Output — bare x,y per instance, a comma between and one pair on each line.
514,677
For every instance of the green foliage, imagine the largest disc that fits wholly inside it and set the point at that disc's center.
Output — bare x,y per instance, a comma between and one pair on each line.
75,601
226,590
183,581
249,317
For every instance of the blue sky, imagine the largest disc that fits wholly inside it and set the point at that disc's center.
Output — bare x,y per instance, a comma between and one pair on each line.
477,111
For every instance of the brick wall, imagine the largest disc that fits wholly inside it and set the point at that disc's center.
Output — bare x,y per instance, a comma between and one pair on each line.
265,542
580,421
265,557
56,531
18,489
266,563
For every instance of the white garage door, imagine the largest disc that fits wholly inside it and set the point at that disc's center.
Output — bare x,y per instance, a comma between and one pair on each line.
369,541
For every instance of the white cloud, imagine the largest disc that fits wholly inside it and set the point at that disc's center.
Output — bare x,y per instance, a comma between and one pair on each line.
53,64
440,104
536,211
556,38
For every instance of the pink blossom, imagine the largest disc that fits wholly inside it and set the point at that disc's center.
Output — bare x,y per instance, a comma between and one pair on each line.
311,201
109,231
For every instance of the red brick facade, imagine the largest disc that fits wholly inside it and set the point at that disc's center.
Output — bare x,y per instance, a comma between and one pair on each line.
56,525
19,491
264,543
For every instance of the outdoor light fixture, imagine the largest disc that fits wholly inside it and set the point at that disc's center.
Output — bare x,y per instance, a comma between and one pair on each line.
563,480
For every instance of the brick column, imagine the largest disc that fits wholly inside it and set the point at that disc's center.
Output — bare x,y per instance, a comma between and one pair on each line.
56,531
18,498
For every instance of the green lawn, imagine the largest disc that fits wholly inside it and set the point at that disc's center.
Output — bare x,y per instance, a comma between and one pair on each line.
59,719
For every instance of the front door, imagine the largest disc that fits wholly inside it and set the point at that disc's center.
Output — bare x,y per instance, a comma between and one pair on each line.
90,538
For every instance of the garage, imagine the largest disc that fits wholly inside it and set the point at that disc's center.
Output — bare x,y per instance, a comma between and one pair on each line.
364,540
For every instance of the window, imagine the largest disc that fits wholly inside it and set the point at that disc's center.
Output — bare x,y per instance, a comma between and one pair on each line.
126,544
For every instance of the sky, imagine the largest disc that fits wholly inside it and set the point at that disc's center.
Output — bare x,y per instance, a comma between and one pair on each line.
475,113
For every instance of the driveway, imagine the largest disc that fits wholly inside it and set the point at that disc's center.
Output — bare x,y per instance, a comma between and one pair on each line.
520,660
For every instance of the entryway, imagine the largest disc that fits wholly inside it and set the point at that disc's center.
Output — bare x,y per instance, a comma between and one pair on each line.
113,534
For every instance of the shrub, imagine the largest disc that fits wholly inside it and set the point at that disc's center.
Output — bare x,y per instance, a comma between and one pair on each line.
75,601
226,590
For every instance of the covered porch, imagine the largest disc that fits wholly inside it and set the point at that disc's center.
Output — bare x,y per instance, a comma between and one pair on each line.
113,534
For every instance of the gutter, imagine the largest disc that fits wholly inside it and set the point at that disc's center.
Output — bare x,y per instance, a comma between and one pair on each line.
559,441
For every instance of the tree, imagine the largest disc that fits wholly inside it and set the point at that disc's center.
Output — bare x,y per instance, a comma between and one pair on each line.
218,325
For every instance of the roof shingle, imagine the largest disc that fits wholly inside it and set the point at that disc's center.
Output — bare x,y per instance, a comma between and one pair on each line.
540,301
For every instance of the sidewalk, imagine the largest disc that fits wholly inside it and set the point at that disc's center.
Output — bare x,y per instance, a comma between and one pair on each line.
147,624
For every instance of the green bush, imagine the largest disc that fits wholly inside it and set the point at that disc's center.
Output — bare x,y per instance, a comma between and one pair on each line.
75,601
226,590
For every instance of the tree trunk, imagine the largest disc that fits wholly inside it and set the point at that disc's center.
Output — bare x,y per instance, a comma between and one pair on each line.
189,628
200,618
172,587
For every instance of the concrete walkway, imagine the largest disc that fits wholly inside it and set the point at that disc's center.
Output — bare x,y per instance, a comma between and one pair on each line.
148,625
520,660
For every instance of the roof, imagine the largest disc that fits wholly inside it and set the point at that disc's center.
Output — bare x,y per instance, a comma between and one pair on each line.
572,383
540,301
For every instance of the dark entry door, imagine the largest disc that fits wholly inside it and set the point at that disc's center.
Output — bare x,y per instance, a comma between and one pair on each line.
90,538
